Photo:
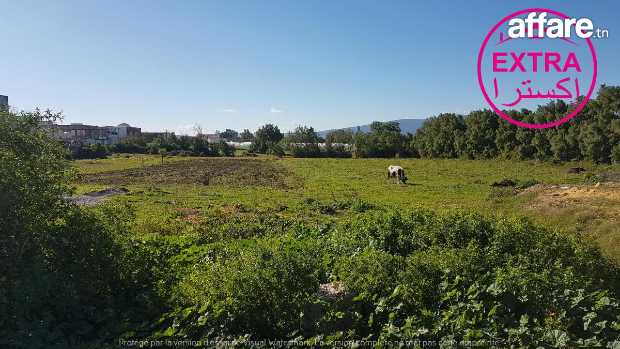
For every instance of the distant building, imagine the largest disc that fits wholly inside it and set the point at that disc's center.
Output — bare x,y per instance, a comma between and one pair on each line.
4,101
122,131
80,134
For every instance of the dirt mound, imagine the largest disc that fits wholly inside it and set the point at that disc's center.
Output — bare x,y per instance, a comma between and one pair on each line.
210,171
563,196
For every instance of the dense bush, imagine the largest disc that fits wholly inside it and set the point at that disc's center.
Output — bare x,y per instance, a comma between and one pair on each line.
222,149
132,145
414,276
94,151
260,289
465,277
69,277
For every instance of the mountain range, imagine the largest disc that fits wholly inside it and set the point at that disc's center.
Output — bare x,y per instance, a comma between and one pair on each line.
406,126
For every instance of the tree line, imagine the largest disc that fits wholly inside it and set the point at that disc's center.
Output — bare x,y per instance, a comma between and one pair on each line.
592,135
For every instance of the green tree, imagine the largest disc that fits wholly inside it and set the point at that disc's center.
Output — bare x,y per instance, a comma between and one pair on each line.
267,137
481,128
62,278
200,146
33,174
383,140
600,132
230,135
302,134
442,136
339,136
303,142
246,136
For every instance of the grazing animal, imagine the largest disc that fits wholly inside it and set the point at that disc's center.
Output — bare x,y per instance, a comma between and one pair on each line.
398,173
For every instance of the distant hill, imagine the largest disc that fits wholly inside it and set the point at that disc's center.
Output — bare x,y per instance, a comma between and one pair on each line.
406,126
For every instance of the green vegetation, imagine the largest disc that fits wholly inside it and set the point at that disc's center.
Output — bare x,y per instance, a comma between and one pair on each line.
415,276
267,140
69,276
316,250
593,135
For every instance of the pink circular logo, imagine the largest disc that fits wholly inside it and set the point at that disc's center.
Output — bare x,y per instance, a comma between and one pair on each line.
542,64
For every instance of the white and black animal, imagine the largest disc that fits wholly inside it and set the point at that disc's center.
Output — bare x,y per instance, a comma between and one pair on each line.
398,173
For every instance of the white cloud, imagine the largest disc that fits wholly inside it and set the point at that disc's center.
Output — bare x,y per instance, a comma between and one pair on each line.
275,110
229,110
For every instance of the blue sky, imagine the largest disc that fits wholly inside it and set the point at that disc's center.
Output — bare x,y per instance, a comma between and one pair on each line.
239,64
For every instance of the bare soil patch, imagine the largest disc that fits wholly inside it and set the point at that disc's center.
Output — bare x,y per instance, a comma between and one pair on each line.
95,197
206,171
604,196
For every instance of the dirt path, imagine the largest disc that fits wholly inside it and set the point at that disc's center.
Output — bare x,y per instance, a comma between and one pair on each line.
96,197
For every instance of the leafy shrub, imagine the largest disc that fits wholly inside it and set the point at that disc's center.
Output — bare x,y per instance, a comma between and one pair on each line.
468,278
223,149
372,271
222,227
260,289
276,150
359,205
334,206
69,276
94,151
591,178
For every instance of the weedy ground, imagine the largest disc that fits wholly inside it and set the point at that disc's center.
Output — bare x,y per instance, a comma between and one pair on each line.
181,193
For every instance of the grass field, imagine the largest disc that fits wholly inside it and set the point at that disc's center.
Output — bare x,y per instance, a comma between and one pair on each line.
175,196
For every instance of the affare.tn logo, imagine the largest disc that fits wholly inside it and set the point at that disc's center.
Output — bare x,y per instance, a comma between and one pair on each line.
534,56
